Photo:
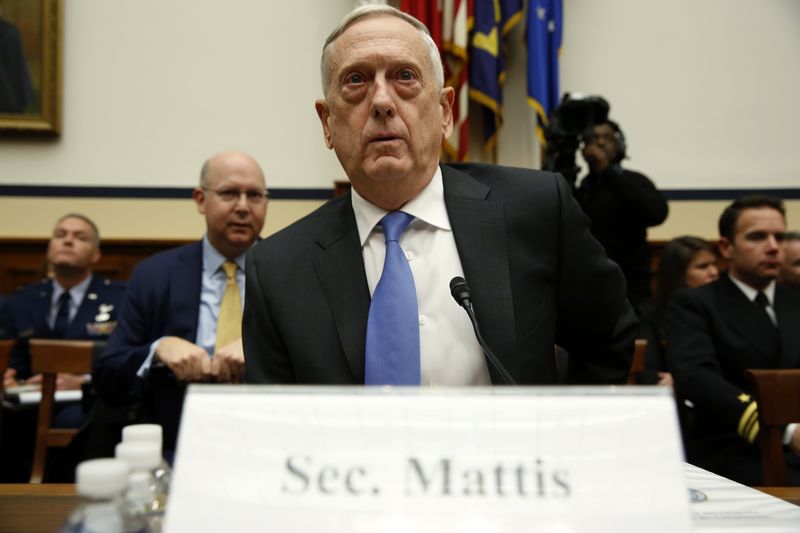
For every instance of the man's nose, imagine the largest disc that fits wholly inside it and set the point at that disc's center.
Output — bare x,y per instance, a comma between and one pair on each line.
773,243
382,101
242,205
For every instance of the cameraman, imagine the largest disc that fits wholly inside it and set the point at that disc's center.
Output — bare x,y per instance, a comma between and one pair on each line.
621,205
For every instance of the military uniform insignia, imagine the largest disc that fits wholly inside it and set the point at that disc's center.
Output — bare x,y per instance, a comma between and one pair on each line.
91,296
100,328
106,308
744,398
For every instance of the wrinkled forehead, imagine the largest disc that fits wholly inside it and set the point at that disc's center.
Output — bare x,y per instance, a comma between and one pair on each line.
378,32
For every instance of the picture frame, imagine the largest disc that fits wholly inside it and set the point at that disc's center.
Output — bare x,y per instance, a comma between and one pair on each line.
30,74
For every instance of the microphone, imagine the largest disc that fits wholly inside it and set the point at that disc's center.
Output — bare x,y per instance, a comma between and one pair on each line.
461,294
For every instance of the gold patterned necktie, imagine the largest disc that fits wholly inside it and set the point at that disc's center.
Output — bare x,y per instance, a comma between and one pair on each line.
229,323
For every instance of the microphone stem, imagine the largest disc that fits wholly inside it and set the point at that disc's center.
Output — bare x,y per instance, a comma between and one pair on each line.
485,347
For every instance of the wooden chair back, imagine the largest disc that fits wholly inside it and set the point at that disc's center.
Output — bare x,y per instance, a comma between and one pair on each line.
5,354
50,357
637,365
778,397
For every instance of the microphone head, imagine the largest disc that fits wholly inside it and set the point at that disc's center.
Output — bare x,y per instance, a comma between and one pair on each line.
460,290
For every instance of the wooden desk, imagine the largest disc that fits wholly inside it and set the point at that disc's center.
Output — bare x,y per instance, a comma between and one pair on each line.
26,508
789,494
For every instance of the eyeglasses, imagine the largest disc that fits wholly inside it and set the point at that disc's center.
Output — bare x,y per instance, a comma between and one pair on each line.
229,196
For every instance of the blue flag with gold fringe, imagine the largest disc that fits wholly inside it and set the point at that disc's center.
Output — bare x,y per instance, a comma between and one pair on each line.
492,21
543,35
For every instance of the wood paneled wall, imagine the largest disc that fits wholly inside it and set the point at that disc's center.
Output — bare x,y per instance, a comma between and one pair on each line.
22,261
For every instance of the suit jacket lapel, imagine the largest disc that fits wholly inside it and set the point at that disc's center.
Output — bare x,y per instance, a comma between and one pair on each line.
480,235
340,268
185,286
787,311
751,323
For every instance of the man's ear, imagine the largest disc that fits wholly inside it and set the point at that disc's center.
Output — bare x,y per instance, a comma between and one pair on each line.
446,99
324,115
199,197
725,247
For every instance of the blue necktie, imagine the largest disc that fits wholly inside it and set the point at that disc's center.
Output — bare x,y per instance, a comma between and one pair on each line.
392,354
62,316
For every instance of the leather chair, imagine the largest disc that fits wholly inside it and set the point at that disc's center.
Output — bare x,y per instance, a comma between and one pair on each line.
778,397
50,357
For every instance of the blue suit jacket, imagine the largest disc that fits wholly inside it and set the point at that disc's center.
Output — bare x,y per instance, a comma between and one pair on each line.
29,309
163,299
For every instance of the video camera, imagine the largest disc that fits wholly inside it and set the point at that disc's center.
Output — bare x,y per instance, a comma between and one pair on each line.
573,116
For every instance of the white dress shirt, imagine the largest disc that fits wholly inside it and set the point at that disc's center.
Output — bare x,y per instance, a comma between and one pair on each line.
76,295
751,294
449,352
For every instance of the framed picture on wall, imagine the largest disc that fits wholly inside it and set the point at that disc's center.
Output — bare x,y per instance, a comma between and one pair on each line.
30,66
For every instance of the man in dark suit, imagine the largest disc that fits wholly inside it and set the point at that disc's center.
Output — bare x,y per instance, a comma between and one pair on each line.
316,310
715,332
74,304
171,325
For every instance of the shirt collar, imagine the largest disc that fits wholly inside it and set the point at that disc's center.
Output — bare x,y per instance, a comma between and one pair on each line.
212,259
76,293
751,293
428,206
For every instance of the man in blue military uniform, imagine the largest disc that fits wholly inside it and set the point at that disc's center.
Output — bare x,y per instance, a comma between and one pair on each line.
74,304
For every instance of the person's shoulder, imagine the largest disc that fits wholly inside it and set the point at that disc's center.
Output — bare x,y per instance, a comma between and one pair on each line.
707,294
333,213
790,294
508,182
635,174
487,171
159,260
32,290
108,285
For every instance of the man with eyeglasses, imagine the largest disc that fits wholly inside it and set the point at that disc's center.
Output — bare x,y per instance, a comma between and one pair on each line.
181,320
621,204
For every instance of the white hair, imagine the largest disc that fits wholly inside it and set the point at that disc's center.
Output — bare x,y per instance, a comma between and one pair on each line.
374,10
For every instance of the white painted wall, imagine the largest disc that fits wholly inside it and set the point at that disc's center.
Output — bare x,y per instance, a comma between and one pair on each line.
707,91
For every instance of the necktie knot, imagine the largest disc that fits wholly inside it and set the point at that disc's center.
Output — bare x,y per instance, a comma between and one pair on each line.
761,300
229,267
394,224
64,298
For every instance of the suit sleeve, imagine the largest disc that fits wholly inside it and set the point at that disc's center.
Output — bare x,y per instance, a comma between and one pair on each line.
114,372
640,197
692,356
596,324
265,355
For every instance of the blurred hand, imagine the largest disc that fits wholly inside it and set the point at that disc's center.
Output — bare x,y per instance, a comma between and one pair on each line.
69,381
188,361
597,158
10,377
228,363
665,378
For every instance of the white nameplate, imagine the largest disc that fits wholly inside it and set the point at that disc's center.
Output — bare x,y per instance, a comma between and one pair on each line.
558,459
